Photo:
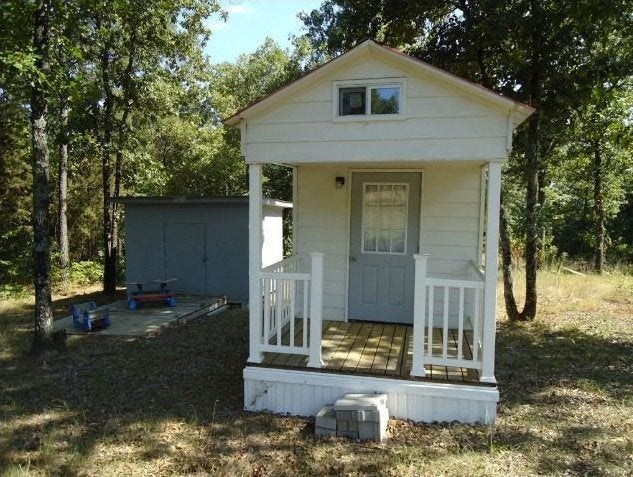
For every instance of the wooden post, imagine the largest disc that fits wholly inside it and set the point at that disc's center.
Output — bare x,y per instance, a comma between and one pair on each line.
255,262
490,287
316,310
419,312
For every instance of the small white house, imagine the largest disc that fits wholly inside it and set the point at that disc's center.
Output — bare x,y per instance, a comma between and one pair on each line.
397,174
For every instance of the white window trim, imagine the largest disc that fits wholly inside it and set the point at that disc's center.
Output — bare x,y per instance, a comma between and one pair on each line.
368,84
362,225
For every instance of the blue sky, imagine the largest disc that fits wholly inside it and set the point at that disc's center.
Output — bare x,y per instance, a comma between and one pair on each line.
250,22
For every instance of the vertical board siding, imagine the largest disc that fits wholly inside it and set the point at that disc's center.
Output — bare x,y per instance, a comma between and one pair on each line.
418,402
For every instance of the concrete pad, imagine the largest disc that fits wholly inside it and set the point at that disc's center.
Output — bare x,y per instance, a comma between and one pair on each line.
149,317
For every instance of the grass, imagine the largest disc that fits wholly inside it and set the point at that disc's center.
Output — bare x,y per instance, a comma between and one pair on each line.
171,404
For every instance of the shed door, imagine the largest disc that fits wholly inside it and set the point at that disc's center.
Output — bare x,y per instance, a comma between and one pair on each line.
185,257
384,234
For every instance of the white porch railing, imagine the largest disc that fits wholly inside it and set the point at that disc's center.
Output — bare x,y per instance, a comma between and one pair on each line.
292,301
454,307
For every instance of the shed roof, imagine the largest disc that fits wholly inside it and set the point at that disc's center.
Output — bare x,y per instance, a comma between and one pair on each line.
198,200
518,110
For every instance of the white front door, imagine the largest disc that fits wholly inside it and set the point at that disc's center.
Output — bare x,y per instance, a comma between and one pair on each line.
384,234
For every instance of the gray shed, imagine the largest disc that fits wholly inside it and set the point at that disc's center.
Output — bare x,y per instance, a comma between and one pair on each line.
202,242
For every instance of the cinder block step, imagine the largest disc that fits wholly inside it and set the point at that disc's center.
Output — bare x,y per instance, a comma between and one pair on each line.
357,416
325,422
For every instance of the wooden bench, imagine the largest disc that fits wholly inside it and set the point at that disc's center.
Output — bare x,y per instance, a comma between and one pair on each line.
89,317
144,296
151,296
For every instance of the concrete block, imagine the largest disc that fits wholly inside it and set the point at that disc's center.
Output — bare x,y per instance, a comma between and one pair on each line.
374,430
348,434
361,402
323,432
362,416
326,418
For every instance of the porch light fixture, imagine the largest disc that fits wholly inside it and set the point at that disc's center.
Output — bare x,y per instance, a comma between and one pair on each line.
339,182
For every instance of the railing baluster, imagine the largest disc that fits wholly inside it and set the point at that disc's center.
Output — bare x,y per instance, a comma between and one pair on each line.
476,331
460,326
445,324
430,327
280,302
292,297
306,287
266,310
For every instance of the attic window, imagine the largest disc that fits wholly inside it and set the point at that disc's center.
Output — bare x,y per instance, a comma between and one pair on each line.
352,101
372,100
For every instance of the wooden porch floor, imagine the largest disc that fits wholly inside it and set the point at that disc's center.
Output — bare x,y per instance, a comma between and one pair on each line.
374,349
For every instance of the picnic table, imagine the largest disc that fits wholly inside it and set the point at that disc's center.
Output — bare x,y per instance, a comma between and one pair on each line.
143,295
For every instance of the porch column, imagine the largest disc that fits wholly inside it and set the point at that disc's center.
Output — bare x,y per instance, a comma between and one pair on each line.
419,314
254,262
490,288
316,310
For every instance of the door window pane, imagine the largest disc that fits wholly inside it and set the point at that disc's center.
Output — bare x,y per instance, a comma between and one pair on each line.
385,212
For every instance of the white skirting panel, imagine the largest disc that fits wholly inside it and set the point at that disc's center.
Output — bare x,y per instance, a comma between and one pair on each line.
303,393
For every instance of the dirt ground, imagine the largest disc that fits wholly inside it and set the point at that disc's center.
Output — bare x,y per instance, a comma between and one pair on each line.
171,404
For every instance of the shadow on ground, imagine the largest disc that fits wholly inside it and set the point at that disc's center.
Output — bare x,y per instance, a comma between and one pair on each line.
532,358
178,396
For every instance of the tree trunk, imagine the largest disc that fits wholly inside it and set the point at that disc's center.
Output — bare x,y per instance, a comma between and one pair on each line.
109,243
532,168
598,207
63,187
506,263
531,217
122,134
43,319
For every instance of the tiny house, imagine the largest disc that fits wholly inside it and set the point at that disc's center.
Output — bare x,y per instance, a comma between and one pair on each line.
392,284
201,242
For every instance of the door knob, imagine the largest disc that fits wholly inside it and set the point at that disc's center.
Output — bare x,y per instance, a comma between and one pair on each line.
352,259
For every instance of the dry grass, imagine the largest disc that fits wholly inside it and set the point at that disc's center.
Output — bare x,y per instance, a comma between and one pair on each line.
171,404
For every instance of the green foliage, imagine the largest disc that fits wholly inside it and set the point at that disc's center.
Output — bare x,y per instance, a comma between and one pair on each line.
569,60
15,199
601,127
85,272
167,103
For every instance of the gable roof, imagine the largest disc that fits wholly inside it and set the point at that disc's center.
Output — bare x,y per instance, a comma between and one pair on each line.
517,109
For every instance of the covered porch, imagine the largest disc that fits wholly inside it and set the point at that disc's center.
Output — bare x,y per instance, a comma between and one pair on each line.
451,333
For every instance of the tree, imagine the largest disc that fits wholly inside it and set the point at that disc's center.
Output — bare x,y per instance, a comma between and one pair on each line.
41,187
548,54
249,79
591,173
133,47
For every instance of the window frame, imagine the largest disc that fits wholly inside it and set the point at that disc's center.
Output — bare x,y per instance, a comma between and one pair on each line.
369,84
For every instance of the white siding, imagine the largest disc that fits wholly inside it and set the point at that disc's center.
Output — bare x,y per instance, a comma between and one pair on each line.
303,393
450,217
440,123
450,223
322,227
273,236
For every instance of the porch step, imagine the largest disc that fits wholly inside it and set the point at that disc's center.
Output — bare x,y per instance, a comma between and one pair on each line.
357,416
